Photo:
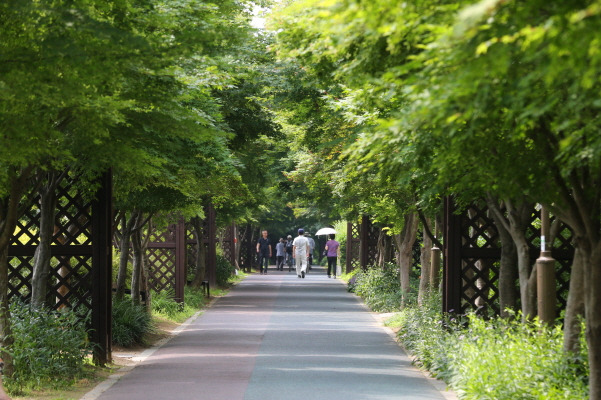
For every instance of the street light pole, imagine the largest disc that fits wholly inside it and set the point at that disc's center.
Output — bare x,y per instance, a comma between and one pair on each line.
545,274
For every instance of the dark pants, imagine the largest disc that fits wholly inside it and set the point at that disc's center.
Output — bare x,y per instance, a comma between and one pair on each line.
332,265
279,264
263,261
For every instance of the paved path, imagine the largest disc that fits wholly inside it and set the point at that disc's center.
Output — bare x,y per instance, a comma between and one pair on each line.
276,336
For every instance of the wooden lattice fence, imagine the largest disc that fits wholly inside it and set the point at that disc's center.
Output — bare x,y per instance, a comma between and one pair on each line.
472,255
80,273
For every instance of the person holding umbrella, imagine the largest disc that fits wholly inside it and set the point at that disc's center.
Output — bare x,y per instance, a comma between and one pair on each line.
332,252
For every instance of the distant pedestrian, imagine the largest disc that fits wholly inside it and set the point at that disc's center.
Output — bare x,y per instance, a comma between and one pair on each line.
300,252
264,252
280,253
312,247
332,252
289,258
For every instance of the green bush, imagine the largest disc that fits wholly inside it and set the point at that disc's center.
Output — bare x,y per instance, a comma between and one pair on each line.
224,271
50,347
165,306
492,359
130,323
379,288
503,359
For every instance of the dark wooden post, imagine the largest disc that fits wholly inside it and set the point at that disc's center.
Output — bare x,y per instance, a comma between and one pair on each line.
211,275
349,247
102,270
180,260
451,289
364,244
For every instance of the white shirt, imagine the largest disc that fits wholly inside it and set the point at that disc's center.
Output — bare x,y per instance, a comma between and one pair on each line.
301,243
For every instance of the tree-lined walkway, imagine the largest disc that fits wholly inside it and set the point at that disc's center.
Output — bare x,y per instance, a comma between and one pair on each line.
277,336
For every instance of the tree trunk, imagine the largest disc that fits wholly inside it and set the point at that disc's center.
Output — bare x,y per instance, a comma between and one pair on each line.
575,307
146,265
426,253
592,306
138,261
41,265
508,273
124,244
405,242
516,222
138,257
201,254
5,329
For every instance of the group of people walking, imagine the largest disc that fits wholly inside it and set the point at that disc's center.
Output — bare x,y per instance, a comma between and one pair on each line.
298,252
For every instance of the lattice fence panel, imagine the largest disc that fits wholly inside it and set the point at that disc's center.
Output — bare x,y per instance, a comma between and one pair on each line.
69,282
191,251
247,255
480,255
228,245
161,255
162,269
353,243
479,274
373,232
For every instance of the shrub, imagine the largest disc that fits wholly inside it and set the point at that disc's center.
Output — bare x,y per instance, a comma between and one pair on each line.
50,347
492,359
224,271
164,304
507,359
130,323
379,288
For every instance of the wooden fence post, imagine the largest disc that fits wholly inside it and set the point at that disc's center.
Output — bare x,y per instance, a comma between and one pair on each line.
102,271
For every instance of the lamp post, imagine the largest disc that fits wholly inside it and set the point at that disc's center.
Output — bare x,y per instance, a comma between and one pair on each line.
545,274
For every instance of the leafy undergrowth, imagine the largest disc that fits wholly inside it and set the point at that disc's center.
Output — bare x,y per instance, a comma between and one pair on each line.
50,348
492,359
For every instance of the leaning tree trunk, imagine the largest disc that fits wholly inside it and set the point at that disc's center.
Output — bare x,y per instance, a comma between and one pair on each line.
124,244
575,307
138,261
507,266
41,264
405,241
425,259
201,254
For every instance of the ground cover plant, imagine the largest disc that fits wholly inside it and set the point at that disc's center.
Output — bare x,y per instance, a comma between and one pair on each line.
492,359
131,322
50,348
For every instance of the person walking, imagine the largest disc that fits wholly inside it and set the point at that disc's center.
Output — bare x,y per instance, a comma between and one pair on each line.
264,252
332,252
300,252
312,247
280,252
289,258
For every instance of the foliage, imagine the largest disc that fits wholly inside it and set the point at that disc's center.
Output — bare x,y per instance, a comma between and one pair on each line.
380,288
494,359
165,306
131,323
50,347
224,271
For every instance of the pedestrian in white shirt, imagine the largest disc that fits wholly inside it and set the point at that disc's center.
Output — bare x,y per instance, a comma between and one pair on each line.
300,252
